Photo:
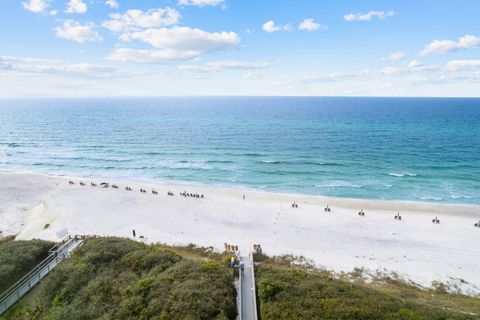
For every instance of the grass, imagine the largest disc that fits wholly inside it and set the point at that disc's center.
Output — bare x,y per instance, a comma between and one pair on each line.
288,289
113,278
19,257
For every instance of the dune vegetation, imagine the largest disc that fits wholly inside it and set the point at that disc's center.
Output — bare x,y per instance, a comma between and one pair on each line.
18,257
291,290
114,278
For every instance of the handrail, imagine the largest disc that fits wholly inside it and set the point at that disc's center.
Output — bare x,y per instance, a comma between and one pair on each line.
240,316
254,287
58,244
57,254
52,256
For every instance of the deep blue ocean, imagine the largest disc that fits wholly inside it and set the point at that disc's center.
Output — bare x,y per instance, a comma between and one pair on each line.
420,149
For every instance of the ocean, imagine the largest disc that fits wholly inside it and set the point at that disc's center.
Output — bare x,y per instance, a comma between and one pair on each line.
416,149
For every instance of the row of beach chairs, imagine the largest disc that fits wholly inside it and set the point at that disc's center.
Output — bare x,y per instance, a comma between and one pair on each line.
193,195
128,188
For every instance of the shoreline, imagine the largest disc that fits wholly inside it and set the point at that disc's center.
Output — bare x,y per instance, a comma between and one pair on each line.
474,208
414,248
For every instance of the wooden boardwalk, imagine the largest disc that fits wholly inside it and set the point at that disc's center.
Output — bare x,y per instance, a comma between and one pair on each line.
248,301
56,255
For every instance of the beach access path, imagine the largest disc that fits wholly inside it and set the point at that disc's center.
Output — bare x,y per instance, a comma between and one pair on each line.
248,299
56,255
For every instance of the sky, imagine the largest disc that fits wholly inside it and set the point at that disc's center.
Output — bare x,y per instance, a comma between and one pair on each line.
89,48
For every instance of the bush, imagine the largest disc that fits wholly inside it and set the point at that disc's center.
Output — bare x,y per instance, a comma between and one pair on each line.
18,257
112,278
286,291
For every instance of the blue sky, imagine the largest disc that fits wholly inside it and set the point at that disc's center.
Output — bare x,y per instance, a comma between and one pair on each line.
239,47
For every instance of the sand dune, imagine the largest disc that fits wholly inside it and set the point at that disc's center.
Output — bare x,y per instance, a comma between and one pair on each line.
414,248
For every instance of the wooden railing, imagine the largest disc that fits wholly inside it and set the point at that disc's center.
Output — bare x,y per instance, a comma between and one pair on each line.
240,290
254,286
57,254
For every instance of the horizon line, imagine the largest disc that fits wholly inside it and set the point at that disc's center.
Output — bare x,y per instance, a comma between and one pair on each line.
229,96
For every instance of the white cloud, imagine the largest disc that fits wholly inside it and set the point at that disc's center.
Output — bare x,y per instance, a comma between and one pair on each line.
412,73
150,56
362,75
395,56
444,46
5,64
112,4
413,66
270,27
36,6
196,69
176,43
35,66
53,12
368,16
217,66
200,3
76,31
310,25
235,64
392,70
253,75
136,19
76,6
462,64
475,75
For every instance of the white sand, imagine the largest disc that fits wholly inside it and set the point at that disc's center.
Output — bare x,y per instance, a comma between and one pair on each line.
414,248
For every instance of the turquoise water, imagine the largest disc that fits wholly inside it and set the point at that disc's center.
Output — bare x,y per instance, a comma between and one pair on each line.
376,148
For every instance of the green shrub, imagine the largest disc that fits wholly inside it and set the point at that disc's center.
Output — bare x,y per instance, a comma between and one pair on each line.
286,291
112,278
18,257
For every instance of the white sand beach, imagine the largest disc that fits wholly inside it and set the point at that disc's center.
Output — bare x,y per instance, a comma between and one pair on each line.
414,248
